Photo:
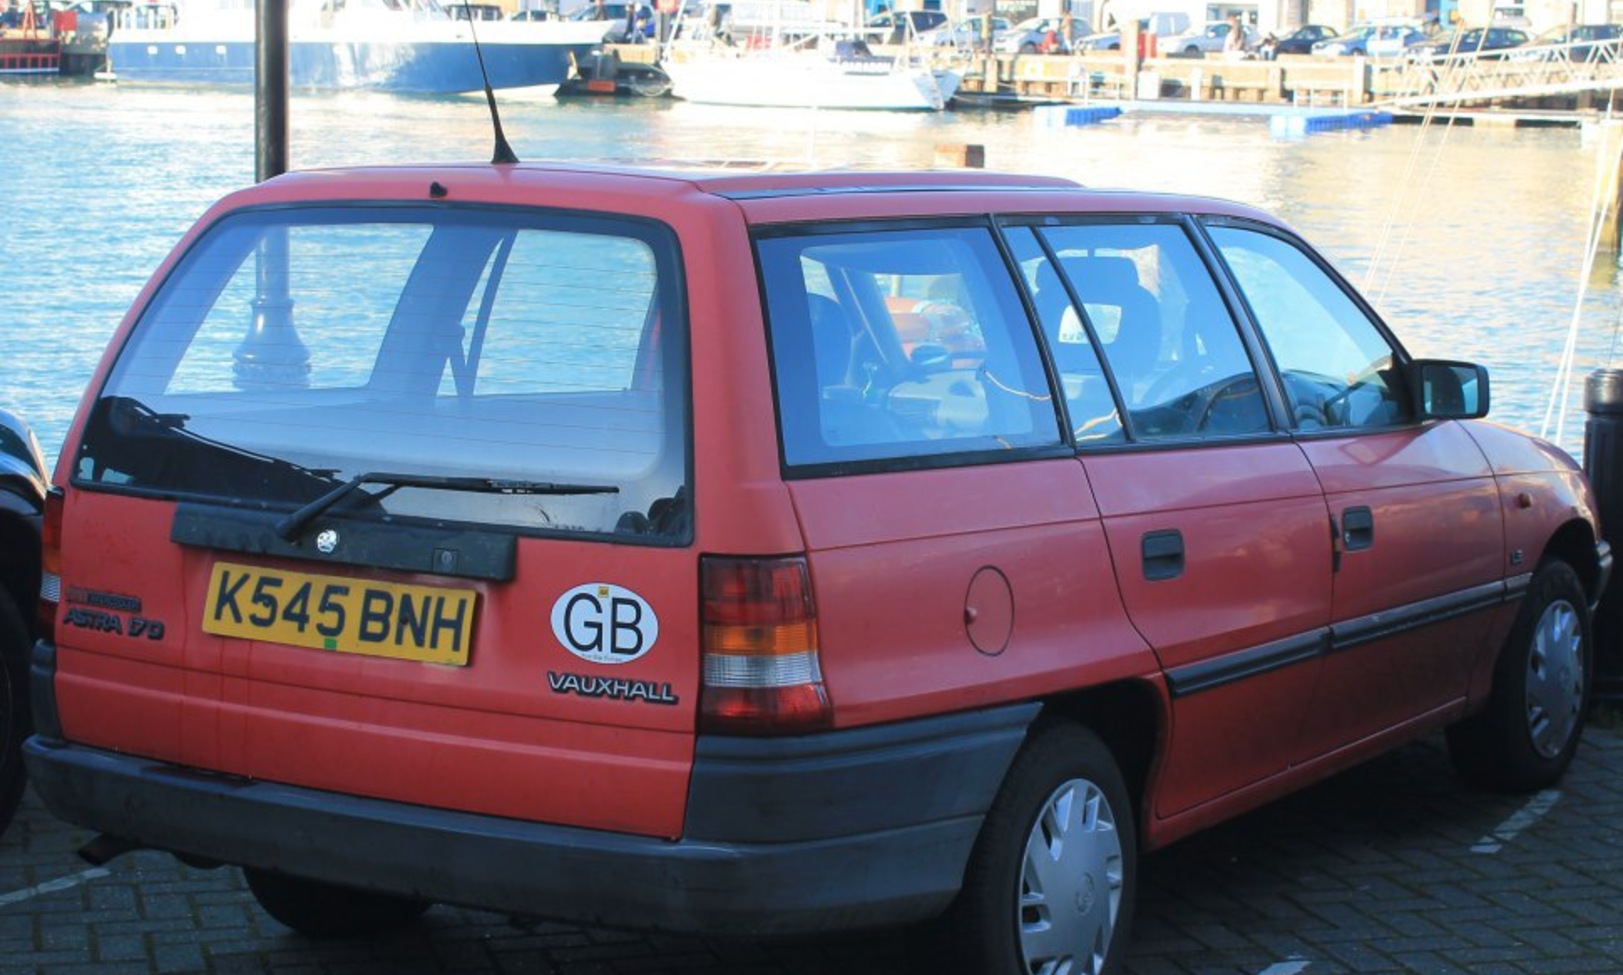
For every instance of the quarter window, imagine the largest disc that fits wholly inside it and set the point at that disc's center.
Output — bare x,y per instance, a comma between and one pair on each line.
907,344
1335,365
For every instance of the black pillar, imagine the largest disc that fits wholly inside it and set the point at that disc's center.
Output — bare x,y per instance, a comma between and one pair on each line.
1603,462
270,90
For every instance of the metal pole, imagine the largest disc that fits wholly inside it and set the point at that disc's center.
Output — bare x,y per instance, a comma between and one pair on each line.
270,90
1603,462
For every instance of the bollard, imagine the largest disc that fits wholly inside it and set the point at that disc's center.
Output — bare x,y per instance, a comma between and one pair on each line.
970,156
1603,462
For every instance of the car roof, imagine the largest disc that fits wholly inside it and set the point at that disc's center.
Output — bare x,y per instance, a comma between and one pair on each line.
763,196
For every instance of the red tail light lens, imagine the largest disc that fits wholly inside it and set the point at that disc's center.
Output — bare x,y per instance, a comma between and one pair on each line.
50,579
762,674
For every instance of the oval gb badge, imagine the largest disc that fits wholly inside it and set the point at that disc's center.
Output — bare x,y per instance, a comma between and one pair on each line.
604,623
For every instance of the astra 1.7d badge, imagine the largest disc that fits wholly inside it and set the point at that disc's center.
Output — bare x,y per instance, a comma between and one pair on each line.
604,623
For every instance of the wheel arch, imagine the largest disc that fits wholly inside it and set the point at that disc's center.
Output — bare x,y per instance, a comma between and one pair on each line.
1128,716
1574,544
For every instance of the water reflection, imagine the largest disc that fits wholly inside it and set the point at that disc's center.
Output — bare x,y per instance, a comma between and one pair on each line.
1472,240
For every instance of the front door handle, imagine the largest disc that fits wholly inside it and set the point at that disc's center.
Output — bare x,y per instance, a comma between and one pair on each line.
1357,528
1163,555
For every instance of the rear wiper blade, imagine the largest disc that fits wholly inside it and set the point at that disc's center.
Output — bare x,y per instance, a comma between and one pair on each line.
295,522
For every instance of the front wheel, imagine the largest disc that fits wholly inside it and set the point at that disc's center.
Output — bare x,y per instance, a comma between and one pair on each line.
1526,736
322,910
1051,882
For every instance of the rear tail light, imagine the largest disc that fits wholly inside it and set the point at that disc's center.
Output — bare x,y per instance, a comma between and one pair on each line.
761,670
50,578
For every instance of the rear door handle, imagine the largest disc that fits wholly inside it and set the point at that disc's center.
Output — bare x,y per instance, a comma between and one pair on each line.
1163,555
1357,528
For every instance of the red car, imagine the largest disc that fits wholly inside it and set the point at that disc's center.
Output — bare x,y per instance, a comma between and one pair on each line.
759,553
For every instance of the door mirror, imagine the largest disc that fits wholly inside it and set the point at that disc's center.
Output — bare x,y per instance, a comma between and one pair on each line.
1443,390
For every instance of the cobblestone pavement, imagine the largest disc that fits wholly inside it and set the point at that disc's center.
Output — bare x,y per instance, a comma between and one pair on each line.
1393,867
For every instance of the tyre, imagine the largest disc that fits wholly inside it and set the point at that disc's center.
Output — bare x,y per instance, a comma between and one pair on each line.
323,910
1051,882
1526,736
15,719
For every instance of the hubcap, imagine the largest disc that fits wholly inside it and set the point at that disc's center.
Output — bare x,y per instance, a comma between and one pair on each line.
1555,679
1070,883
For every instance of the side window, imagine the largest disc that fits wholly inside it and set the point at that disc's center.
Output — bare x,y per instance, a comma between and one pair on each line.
1335,365
1088,399
1167,336
901,344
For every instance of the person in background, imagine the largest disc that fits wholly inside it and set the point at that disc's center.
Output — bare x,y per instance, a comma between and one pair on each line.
1234,40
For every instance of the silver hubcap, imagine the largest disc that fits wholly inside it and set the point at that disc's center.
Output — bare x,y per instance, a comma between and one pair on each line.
1070,883
1555,679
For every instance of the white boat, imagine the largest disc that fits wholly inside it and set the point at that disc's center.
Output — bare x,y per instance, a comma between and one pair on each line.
834,75
391,45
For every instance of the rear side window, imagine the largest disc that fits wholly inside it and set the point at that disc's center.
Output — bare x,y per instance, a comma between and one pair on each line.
1165,331
534,363
907,345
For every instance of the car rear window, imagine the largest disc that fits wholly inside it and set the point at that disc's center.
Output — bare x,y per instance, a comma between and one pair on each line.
907,345
293,349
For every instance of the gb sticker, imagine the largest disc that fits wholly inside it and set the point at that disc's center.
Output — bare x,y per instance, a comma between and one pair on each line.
604,623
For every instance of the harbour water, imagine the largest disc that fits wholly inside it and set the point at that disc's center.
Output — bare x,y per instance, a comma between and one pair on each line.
1470,242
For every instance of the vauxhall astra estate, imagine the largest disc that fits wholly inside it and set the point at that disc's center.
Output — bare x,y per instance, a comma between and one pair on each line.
771,553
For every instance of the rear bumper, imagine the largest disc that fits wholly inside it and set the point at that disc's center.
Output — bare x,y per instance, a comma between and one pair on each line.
846,829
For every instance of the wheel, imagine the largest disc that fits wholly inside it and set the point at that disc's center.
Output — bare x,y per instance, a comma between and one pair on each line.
1526,736
16,721
1028,48
1050,885
323,910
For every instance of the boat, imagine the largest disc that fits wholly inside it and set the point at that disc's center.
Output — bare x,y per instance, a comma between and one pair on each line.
390,45
808,73
26,49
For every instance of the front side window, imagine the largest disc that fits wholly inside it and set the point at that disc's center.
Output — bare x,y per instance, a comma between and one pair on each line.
507,368
1334,363
1165,331
905,345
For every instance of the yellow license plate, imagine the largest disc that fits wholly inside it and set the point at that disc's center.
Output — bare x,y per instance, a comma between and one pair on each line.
380,619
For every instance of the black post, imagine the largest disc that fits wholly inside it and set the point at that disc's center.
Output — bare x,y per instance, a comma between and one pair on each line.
1603,462
270,90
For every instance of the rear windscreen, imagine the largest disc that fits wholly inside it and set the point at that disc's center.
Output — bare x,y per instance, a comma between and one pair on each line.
498,367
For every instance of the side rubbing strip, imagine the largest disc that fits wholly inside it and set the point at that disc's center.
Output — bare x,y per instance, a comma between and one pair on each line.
1247,663
1379,626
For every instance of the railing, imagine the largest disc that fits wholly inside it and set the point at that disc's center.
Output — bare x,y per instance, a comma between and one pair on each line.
1469,77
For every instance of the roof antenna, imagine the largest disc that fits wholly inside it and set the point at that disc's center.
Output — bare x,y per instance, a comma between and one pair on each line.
504,152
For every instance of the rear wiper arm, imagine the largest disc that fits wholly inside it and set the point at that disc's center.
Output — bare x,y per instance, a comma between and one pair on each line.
295,522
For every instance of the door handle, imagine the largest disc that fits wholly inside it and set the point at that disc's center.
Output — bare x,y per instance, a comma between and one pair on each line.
1163,555
1357,528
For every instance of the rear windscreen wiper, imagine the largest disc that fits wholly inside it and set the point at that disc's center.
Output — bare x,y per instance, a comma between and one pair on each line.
295,522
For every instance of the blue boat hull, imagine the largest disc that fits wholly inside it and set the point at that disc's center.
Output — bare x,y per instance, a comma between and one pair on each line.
402,67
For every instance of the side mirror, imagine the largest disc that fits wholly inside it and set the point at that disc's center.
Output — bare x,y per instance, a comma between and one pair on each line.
1444,390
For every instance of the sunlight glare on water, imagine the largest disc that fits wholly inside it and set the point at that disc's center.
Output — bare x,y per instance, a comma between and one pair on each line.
1475,236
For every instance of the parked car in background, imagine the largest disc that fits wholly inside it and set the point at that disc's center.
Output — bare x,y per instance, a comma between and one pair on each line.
1302,39
1209,39
1039,33
1376,40
901,26
965,33
1162,24
22,502
1488,43
1578,42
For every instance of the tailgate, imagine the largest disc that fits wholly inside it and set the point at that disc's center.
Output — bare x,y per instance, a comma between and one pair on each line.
396,501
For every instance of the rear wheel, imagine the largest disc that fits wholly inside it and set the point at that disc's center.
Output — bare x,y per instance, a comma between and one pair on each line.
1051,882
1525,738
15,719
323,910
